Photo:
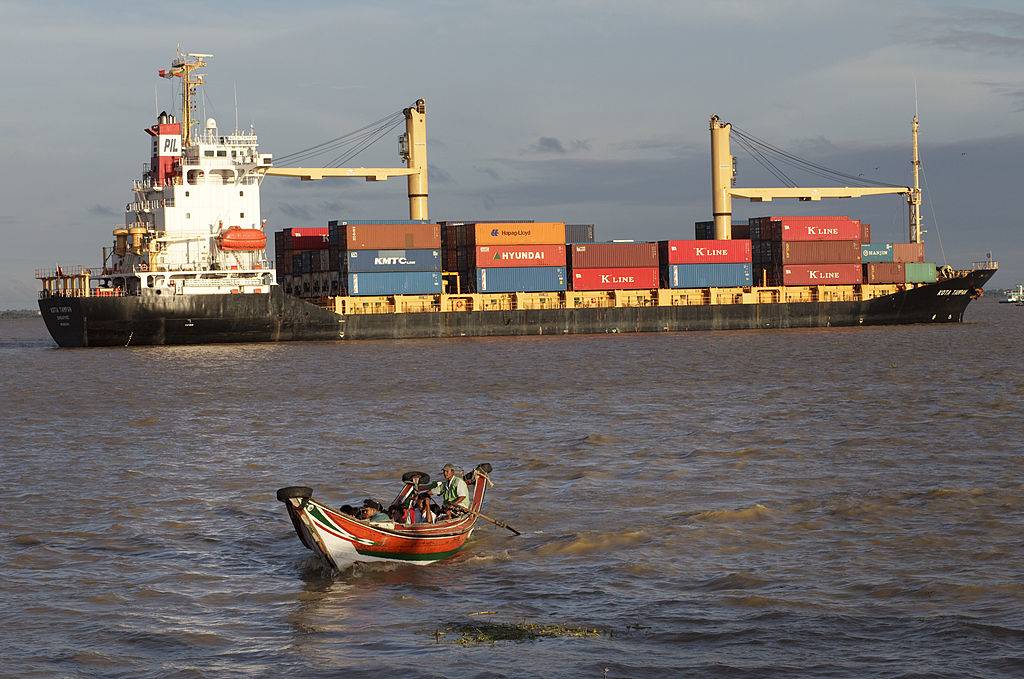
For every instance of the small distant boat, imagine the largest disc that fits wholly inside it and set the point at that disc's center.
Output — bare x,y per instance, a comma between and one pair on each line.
342,540
1014,296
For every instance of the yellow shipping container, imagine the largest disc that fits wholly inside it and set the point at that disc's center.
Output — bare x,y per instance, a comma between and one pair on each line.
526,233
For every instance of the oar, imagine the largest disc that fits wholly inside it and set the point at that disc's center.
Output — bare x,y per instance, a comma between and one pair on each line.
499,524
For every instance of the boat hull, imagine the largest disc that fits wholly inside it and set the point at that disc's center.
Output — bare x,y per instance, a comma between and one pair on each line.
276,316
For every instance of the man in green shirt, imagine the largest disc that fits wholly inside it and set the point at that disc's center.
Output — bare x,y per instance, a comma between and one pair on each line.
453,490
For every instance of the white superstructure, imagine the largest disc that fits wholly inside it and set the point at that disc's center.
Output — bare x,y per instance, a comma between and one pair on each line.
193,225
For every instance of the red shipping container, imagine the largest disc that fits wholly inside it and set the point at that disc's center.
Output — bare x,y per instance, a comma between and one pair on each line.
908,252
865,233
614,255
885,272
635,278
306,231
821,274
500,256
705,251
818,228
821,252
392,236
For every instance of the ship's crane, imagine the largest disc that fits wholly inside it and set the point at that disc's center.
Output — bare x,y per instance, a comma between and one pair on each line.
723,189
413,150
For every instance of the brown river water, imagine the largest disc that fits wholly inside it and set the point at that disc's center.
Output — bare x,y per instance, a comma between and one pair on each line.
826,503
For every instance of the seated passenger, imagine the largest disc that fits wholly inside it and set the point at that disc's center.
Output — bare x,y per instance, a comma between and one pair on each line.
374,515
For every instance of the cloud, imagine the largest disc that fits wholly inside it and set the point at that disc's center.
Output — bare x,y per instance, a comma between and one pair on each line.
438,175
294,211
102,211
548,145
1012,91
987,31
490,172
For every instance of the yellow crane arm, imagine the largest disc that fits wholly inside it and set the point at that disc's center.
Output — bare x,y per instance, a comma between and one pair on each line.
371,174
766,195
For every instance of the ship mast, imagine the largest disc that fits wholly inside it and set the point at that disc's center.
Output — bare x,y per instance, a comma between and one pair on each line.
914,199
190,81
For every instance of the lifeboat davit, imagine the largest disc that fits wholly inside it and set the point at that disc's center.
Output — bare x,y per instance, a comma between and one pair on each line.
237,238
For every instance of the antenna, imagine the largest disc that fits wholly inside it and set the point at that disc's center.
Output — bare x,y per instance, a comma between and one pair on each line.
235,86
156,99
915,96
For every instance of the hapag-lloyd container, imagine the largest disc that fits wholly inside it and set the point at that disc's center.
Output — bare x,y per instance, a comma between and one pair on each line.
519,233
885,272
908,252
494,256
635,278
613,255
373,261
708,275
921,272
821,252
521,279
704,251
392,236
822,274
394,283
876,253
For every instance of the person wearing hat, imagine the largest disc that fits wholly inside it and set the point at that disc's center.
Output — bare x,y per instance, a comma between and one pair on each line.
453,490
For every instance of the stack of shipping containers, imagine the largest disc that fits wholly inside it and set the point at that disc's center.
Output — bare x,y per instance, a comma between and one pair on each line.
896,263
299,251
705,263
507,256
386,258
614,266
807,250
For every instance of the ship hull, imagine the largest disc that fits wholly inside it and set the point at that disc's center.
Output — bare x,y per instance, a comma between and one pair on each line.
275,317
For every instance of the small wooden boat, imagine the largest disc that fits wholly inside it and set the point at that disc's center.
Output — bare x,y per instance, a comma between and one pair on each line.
342,540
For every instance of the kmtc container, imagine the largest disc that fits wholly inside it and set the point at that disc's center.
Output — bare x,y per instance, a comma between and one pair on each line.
921,272
392,236
908,252
636,278
579,233
806,228
821,252
524,233
394,283
521,279
885,272
708,275
378,261
613,255
876,253
821,274
494,256
704,251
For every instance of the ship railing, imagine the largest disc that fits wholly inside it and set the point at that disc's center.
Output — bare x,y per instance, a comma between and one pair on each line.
987,265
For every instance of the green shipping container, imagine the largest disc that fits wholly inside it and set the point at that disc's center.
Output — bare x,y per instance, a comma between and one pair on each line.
920,272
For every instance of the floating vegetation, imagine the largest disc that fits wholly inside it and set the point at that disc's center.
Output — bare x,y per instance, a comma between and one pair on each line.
481,632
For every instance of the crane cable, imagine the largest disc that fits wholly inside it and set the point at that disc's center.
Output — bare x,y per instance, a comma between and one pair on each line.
351,144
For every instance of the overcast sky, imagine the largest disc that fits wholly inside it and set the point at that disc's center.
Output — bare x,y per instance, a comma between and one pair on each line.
581,111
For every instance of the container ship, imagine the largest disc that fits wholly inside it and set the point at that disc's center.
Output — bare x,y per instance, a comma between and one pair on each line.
190,264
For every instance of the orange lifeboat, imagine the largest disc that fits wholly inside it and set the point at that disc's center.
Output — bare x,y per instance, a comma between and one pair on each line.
237,238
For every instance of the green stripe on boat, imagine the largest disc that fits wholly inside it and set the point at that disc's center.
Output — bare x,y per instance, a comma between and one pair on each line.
315,512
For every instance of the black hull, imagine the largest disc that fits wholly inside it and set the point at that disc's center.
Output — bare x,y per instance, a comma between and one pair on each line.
277,317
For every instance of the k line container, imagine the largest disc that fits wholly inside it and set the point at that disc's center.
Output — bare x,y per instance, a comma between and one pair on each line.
876,253
394,283
920,272
821,252
379,261
908,252
708,275
504,256
521,279
822,274
613,255
521,233
802,228
635,278
885,272
704,251
392,236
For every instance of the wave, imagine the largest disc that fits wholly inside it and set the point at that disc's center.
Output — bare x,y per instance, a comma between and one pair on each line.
755,512
588,543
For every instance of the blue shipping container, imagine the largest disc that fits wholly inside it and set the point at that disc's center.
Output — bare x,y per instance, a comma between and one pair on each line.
876,253
394,283
376,261
521,279
709,275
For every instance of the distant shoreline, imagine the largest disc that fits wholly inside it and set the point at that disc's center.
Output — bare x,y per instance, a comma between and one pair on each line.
8,314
